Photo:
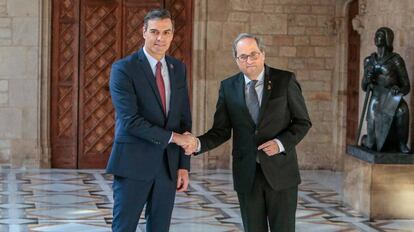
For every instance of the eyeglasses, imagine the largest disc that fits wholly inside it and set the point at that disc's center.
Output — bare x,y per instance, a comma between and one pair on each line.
244,57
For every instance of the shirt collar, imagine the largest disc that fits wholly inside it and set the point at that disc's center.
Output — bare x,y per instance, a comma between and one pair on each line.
152,61
259,78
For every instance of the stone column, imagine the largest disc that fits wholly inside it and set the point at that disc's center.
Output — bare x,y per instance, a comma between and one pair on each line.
19,82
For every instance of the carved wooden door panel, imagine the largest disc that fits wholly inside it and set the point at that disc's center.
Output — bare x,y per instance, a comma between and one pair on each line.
181,12
100,46
64,87
88,36
353,83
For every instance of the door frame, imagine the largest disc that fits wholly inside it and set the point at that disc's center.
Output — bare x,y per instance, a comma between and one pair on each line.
44,93
339,85
352,102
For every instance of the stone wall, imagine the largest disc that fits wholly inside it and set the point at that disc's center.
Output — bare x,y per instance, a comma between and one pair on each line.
19,82
300,37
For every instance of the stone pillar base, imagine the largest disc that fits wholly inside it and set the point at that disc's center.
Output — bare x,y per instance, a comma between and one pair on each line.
379,185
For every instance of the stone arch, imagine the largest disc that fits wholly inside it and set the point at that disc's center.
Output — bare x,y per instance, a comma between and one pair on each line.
339,86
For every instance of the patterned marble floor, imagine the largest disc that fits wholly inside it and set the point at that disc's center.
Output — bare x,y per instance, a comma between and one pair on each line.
45,200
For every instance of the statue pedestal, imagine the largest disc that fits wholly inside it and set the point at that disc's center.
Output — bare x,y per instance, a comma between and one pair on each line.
379,185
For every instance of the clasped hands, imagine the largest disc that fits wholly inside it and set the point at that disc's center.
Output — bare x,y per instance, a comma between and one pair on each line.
187,141
190,144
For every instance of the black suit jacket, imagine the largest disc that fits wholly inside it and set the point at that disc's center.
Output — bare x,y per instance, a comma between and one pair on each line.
283,115
142,131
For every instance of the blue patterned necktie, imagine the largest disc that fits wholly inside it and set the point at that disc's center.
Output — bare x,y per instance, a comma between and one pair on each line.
252,101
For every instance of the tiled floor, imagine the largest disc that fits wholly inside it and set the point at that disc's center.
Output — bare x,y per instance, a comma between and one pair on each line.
81,201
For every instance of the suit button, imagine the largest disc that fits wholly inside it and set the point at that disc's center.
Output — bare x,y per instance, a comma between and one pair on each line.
256,132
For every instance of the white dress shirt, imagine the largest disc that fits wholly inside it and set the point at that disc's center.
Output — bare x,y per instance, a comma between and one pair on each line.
259,92
165,76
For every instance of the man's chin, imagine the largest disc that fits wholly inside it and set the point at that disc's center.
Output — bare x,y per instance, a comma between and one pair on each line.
160,52
161,47
251,70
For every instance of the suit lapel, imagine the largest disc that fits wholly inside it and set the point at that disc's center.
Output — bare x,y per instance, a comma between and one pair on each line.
267,88
240,95
171,73
145,66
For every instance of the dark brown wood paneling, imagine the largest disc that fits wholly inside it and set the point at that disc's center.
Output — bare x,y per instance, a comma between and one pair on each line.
64,94
353,83
100,46
133,17
181,47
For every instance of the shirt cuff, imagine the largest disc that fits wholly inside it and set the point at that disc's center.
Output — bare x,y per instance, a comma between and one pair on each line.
169,141
281,147
198,145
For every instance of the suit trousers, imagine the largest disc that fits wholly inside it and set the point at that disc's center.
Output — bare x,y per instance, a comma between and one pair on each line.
264,207
131,195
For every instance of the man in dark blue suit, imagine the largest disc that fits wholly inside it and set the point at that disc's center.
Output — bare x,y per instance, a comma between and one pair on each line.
150,95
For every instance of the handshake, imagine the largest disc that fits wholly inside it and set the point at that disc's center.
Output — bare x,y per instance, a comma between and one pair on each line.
187,141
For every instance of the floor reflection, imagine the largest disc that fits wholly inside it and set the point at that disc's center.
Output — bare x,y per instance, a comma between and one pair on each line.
81,200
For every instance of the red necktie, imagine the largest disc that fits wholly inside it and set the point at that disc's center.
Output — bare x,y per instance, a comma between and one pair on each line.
161,86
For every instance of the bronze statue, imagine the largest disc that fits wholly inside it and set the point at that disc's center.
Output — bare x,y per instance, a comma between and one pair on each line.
386,82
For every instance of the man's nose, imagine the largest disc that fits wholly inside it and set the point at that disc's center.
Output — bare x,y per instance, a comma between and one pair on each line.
249,60
160,37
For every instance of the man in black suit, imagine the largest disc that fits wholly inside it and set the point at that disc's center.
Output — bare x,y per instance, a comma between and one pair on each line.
265,109
150,95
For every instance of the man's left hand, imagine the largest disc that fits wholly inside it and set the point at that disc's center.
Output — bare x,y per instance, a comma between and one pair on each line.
270,148
182,180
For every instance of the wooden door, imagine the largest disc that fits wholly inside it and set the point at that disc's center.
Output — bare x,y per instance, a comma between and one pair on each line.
100,46
88,36
353,83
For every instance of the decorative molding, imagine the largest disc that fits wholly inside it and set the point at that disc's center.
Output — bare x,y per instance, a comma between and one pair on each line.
362,7
358,23
45,37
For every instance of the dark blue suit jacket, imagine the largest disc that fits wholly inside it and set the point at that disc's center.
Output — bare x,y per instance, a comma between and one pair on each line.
142,131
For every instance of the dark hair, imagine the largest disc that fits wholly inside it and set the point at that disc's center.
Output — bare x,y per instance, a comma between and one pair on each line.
245,36
156,14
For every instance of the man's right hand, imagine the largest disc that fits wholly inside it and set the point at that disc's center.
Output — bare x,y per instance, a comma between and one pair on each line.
187,141
193,147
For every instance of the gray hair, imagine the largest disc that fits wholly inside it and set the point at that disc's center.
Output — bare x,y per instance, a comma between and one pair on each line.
245,36
157,14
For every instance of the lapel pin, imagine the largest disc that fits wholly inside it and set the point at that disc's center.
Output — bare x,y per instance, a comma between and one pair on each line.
171,66
269,85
